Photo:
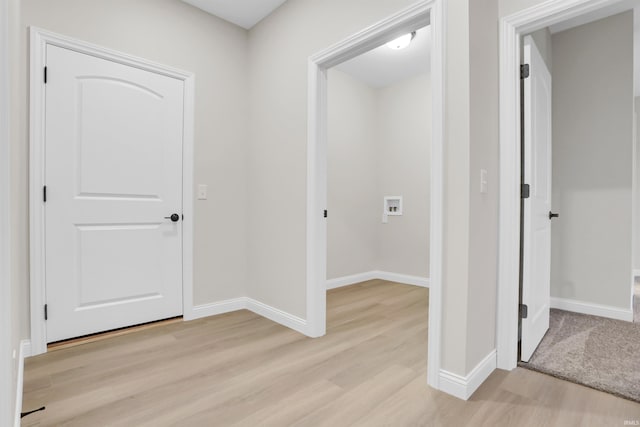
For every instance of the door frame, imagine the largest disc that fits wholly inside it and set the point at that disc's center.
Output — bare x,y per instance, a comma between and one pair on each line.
512,28
424,12
39,40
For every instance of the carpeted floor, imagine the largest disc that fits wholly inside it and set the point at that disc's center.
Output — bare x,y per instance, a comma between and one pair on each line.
594,351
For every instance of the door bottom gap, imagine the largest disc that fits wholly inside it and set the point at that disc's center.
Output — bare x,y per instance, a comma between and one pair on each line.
99,336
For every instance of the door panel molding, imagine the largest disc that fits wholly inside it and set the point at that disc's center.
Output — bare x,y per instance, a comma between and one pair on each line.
40,39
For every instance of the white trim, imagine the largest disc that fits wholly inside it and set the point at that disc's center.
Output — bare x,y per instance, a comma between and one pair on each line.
39,40
188,170
403,278
278,316
592,309
463,387
352,279
412,17
380,275
511,29
215,308
636,273
25,351
246,303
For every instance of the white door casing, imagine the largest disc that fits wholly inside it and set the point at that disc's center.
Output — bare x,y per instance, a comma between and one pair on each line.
115,206
536,265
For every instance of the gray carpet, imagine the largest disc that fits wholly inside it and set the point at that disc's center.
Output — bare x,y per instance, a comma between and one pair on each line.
594,351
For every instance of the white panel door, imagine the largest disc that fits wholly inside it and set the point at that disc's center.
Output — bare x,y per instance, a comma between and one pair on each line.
113,173
537,225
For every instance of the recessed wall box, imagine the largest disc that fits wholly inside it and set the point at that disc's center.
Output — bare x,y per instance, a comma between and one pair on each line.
393,205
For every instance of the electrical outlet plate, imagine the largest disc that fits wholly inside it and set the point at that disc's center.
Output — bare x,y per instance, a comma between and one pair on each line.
393,205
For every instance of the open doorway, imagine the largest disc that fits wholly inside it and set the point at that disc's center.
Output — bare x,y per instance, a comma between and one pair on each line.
379,138
378,173
405,22
577,182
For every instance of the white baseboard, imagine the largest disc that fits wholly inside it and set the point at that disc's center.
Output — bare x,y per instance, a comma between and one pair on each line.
245,303
592,309
351,279
463,387
212,309
376,274
277,315
25,351
403,278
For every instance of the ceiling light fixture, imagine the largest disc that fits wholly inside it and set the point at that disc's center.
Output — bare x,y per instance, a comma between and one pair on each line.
402,41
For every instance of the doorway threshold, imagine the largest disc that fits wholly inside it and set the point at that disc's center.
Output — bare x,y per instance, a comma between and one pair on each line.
85,339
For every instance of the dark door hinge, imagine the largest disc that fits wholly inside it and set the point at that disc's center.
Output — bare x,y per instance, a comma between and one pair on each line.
46,312
44,194
524,311
524,71
325,213
45,75
525,191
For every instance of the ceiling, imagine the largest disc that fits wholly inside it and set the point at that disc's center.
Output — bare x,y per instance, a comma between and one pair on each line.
384,66
378,68
244,13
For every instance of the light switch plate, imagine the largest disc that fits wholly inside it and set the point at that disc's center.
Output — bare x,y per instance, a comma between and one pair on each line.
202,192
483,181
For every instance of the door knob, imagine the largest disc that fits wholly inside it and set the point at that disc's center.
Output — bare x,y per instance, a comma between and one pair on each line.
553,215
174,217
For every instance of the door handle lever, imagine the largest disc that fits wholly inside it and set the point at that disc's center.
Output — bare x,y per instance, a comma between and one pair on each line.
553,215
174,217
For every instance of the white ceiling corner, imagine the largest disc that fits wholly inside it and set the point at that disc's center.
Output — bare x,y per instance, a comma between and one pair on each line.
244,13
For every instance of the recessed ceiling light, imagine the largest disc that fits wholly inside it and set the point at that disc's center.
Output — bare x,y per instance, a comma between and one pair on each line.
402,41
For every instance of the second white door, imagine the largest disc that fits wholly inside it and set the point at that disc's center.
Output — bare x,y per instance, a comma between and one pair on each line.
113,180
536,275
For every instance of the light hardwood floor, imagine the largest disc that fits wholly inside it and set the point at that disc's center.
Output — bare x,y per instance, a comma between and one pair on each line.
239,369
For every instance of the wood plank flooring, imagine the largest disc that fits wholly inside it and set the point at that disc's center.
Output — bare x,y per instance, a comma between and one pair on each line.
239,369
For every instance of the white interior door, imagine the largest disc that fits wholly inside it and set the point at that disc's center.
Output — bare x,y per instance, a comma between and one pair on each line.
113,173
537,223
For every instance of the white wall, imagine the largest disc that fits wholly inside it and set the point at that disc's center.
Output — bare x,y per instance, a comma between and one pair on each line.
277,82
508,7
353,177
483,153
7,344
542,38
379,143
277,159
279,48
404,159
17,310
178,35
592,162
